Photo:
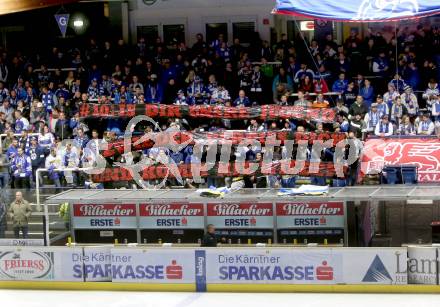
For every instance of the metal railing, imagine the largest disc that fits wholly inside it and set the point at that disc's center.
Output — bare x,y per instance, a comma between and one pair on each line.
45,207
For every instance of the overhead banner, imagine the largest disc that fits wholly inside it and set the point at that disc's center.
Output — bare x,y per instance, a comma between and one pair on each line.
265,112
308,215
272,266
386,266
115,174
358,11
104,216
62,22
422,265
235,137
173,266
240,215
421,152
171,216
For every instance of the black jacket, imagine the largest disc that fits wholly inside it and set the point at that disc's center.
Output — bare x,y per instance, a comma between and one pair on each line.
209,240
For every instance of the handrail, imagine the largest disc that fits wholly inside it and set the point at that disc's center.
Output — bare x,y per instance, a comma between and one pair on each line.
46,209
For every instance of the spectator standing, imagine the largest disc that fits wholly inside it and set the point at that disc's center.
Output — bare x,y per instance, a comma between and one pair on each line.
21,167
20,212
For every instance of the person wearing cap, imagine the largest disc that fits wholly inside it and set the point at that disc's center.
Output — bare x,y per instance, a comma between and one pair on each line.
410,101
384,127
153,91
371,119
426,126
37,156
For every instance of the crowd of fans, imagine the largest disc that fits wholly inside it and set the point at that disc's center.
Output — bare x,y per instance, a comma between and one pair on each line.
377,87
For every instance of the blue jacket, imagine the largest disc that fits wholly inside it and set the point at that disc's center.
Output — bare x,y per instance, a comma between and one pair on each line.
36,155
245,102
168,74
367,94
177,157
21,166
11,152
48,101
81,142
153,94
340,86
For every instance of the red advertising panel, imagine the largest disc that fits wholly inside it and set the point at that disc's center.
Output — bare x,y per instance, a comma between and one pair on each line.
240,215
171,216
303,215
423,153
103,216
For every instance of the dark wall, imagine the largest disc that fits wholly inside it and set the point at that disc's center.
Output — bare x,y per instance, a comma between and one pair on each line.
41,30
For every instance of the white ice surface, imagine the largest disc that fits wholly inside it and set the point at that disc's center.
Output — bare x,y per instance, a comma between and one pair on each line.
20,298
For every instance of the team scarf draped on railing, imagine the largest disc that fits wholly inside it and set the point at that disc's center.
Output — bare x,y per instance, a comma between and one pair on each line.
232,169
233,136
265,112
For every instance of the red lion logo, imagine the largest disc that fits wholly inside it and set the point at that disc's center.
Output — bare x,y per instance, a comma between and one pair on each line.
421,154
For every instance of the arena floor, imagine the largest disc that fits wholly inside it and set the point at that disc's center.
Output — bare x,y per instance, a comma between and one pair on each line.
32,298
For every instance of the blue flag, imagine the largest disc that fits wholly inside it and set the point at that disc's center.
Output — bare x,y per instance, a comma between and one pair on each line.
62,21
359,10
